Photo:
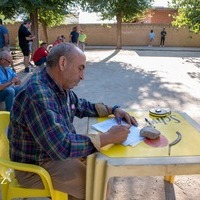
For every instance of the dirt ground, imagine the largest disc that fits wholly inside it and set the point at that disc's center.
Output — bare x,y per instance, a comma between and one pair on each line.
143,79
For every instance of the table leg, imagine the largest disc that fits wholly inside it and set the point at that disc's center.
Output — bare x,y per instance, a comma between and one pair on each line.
90,176
99,179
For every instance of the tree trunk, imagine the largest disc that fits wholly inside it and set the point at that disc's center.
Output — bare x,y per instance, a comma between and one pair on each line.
44,27
34,29
119,32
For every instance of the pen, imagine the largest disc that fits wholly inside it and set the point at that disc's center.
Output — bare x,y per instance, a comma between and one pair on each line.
119,120
149,123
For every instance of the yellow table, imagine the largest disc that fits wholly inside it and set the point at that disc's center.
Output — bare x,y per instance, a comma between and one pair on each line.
145,159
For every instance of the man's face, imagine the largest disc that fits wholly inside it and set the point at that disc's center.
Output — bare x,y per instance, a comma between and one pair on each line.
6,61
74,71
28,25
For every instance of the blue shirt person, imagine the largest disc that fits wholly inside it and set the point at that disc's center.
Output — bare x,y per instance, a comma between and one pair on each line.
4,36
9,81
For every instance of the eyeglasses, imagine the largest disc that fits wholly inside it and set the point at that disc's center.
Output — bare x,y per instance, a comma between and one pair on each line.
8,61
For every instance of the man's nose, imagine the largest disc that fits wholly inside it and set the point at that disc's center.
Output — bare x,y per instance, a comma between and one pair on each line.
82,75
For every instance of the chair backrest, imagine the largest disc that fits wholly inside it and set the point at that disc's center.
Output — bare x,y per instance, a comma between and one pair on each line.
4,144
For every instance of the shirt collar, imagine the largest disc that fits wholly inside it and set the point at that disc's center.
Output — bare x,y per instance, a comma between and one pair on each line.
53,83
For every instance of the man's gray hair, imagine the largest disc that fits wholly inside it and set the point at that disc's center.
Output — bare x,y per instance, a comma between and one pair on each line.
65,49
3,54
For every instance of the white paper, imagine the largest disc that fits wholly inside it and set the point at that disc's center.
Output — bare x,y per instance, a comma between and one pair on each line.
133,138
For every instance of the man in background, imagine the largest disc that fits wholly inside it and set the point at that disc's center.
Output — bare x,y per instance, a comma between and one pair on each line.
25,36
9,81
58,40
81,40
4,39
162,39
73,37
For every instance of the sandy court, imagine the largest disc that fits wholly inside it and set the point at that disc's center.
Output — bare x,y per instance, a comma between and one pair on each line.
143,79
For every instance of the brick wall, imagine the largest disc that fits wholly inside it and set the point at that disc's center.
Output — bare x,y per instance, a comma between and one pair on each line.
132,34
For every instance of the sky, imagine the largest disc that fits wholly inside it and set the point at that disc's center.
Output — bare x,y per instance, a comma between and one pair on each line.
161,3
93,18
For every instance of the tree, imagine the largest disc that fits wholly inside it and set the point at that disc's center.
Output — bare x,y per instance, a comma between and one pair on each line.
119,9
50,12
188,14
49,18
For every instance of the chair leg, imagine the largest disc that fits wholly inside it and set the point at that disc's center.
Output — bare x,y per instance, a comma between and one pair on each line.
4,190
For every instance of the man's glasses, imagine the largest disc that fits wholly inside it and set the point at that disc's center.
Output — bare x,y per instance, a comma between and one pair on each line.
8,61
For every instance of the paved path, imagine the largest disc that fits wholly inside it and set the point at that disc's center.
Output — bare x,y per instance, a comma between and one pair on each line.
143,77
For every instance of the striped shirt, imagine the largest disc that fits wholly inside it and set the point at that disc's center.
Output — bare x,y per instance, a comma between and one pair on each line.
41,125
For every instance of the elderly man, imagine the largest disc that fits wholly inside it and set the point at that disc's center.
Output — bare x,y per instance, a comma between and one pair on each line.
41,131
9,81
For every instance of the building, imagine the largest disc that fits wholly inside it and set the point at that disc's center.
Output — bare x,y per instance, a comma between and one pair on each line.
159,15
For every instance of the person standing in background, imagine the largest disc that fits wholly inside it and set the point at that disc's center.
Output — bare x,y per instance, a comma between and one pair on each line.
24,36
4,39
73,37
151,38
162,39
81,40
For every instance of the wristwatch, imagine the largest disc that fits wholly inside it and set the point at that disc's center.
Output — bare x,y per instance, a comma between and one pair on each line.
114,108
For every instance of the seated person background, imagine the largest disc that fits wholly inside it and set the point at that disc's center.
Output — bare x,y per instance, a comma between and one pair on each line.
39,56
63,38
58,40
9,82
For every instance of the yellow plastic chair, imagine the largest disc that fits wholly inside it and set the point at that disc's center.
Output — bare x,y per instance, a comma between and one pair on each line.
9,187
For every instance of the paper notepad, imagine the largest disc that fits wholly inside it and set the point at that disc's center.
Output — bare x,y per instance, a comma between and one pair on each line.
133,138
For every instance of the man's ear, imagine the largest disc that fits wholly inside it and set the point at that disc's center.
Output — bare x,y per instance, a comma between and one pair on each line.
62,63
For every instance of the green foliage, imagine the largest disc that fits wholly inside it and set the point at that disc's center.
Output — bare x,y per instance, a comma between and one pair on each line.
51,18
188,14
51,12
111,8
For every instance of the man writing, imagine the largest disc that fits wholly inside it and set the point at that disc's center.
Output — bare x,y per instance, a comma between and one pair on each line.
9,81
41,131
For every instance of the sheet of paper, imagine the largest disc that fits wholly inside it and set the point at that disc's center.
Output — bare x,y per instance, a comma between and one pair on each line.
134,137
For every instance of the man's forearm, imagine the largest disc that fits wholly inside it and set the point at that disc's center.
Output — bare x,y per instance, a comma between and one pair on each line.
5,85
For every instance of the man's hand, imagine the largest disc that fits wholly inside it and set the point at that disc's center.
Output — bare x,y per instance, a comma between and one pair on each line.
16,80
115,135
121,114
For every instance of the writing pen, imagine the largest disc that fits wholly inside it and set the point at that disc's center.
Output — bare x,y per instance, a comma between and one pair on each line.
119,120
149,123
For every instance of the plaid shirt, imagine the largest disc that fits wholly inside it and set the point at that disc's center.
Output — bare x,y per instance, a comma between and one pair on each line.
41,125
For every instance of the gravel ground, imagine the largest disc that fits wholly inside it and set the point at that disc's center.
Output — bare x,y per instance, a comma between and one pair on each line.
144,79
